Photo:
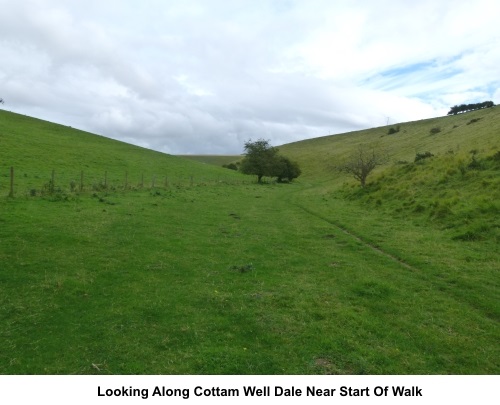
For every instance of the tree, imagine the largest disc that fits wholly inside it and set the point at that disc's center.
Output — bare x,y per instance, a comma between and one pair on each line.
362,162
456,109
287,170
260,159
1,101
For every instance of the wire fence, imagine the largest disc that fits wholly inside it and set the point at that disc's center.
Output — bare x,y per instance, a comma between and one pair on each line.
14,182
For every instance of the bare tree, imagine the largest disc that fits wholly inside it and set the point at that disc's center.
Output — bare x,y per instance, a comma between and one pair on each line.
362,162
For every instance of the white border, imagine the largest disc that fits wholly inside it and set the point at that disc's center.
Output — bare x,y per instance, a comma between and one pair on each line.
55,390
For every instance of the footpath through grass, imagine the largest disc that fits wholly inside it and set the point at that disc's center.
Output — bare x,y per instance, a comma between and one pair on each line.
234,280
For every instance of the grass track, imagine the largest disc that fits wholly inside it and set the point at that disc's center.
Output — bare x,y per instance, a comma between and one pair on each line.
359,238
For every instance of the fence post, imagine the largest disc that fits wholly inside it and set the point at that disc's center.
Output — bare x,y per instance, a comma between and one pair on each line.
192,181
142,180
52,181
11,193
153,182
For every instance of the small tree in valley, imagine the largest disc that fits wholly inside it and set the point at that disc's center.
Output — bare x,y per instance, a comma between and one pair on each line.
260,159
362,162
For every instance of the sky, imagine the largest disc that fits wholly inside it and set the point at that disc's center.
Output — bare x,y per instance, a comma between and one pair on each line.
203,77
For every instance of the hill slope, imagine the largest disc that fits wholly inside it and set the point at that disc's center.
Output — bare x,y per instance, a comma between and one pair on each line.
456,184
318,276
478,130
35,148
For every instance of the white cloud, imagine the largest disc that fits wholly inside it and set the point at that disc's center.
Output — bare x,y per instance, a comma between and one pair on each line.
204,76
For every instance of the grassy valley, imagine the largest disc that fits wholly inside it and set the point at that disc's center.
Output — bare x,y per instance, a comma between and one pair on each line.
224,276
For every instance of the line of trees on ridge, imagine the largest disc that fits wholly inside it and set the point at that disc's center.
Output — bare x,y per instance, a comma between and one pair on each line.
470,107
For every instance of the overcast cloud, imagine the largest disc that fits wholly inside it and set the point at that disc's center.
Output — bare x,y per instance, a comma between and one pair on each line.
186,76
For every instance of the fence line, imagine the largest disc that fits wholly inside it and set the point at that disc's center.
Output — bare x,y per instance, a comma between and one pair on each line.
34,183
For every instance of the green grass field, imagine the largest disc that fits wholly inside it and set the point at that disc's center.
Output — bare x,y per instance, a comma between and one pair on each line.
225,276
37,148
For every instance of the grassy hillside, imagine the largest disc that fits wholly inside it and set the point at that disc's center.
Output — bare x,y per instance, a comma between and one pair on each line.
457,187
35,148
314,277
459,134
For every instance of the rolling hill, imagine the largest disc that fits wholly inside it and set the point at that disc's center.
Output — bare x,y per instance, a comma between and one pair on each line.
36,148
458,135
207,272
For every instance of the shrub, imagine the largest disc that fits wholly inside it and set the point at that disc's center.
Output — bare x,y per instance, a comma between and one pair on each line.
435,130
231,166
421,156
472,121
393,130
287,170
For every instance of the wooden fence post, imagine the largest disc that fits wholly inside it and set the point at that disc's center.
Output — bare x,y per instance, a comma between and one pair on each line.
52,181
11,193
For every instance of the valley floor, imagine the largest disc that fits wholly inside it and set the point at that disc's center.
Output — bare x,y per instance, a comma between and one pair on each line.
248,279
